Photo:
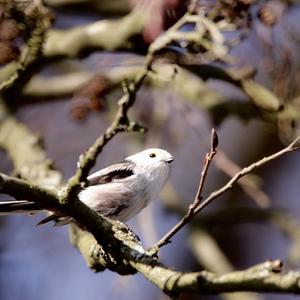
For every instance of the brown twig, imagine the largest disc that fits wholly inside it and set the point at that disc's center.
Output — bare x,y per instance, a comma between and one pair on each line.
192,208
291,147
121,123
228,166
196,207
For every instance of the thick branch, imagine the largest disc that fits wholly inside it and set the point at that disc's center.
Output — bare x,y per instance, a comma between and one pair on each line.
117,238
75,42
29,158
105,7
192,88
209,255
114,235
21,189
104,34
258,94
261,278
121,251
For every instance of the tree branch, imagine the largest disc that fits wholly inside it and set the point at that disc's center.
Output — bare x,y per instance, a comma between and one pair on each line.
191,212
116,238
209,255
29,158
121,123
197,206
103,34
264,278
105,7
21,189
118,248
290,148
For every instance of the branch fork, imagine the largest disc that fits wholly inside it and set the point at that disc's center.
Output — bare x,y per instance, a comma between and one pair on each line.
198,204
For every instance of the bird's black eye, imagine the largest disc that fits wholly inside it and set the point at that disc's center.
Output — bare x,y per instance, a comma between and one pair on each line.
152,155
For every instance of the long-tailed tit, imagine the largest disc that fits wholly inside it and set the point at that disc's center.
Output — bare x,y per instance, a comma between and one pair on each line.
119,191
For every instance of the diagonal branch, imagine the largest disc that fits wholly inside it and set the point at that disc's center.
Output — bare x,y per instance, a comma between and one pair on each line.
22,189
290,148
121,123
191,212
110,35
124,254
197,206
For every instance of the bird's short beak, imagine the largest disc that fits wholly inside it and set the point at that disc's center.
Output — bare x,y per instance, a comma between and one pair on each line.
169,160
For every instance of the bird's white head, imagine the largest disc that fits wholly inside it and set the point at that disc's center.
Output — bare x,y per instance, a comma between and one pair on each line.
153,157
154,165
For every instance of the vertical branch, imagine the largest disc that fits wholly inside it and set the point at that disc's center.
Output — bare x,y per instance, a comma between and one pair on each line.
192,208
208,158
121,123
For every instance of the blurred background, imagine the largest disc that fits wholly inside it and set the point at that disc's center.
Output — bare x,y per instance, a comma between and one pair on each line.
68,96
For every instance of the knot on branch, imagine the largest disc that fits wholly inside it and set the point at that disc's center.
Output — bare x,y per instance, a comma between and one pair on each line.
131,126
109,261
271,266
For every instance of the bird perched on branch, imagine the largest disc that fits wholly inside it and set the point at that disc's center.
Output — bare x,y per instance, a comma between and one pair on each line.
119,191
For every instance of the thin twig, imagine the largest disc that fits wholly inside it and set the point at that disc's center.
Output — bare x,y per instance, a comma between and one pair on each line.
245,171
229,167
196,208
192,208
121,123
209,157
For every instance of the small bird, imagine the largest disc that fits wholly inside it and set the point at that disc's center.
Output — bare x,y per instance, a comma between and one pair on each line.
119,191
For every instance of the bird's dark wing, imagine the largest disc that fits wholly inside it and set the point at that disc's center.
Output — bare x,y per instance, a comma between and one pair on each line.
111,173
106,175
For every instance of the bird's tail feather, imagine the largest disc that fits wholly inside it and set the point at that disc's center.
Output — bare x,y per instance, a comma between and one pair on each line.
24,206
59,220
18,206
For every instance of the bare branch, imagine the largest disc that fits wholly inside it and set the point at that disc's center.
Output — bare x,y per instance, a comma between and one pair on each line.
197,206
209,157
209,255
104,34
264,277
29,158
290,148
21,189
192,208
121,123
229,167
122,249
